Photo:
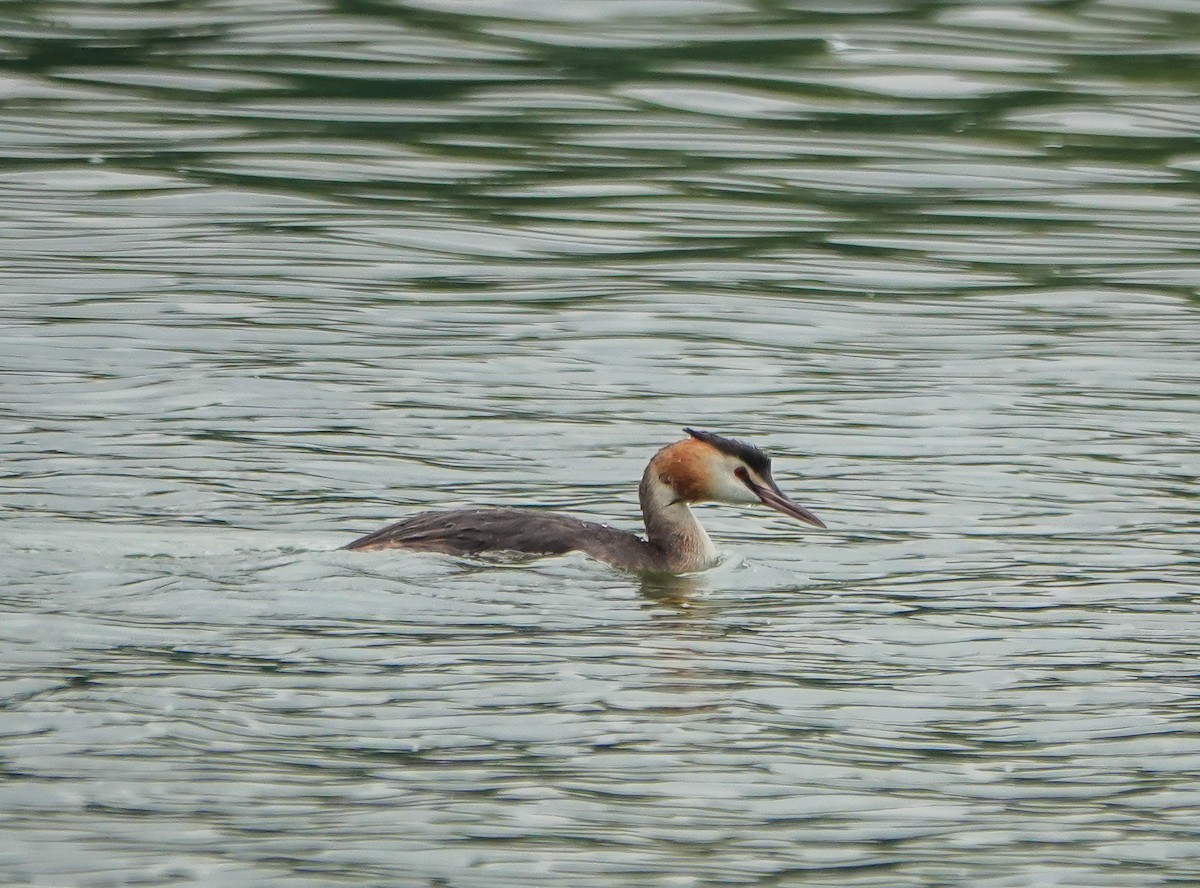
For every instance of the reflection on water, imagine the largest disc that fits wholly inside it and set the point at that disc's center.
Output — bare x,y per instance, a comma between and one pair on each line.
275,274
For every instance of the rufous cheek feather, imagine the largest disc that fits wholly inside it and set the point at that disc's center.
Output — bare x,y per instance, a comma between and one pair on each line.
682,469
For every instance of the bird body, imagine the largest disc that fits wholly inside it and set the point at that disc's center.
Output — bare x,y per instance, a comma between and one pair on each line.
701,468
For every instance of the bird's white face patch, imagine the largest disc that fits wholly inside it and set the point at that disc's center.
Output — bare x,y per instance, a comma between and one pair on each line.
726,487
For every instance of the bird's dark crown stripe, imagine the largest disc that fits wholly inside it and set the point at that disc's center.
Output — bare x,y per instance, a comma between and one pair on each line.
747,453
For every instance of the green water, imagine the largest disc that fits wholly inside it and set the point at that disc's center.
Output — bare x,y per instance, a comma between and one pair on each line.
275,274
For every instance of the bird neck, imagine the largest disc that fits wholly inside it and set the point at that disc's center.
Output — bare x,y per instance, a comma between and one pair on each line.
671,527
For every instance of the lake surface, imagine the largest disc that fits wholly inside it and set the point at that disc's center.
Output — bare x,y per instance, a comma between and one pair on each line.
275,274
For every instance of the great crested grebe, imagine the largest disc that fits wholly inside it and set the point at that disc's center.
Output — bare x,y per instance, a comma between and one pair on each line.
703,468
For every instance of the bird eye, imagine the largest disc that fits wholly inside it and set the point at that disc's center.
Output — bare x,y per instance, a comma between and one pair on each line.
741,474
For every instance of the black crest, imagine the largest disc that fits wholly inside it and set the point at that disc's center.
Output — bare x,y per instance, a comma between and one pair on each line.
747,453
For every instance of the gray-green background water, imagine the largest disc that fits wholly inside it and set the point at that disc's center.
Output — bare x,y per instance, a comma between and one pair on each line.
275,273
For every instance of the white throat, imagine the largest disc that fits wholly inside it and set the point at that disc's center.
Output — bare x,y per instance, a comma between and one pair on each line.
671,526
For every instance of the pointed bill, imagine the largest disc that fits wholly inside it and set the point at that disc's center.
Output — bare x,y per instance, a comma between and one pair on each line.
775,498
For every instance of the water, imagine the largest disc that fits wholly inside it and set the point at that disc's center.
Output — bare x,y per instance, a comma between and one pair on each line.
276,274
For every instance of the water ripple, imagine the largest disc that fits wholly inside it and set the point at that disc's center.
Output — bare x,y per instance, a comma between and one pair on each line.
277,274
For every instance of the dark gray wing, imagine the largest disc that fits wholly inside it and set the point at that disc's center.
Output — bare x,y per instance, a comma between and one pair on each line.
472,531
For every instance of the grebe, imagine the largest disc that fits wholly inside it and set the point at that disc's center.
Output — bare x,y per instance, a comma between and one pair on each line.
701,468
